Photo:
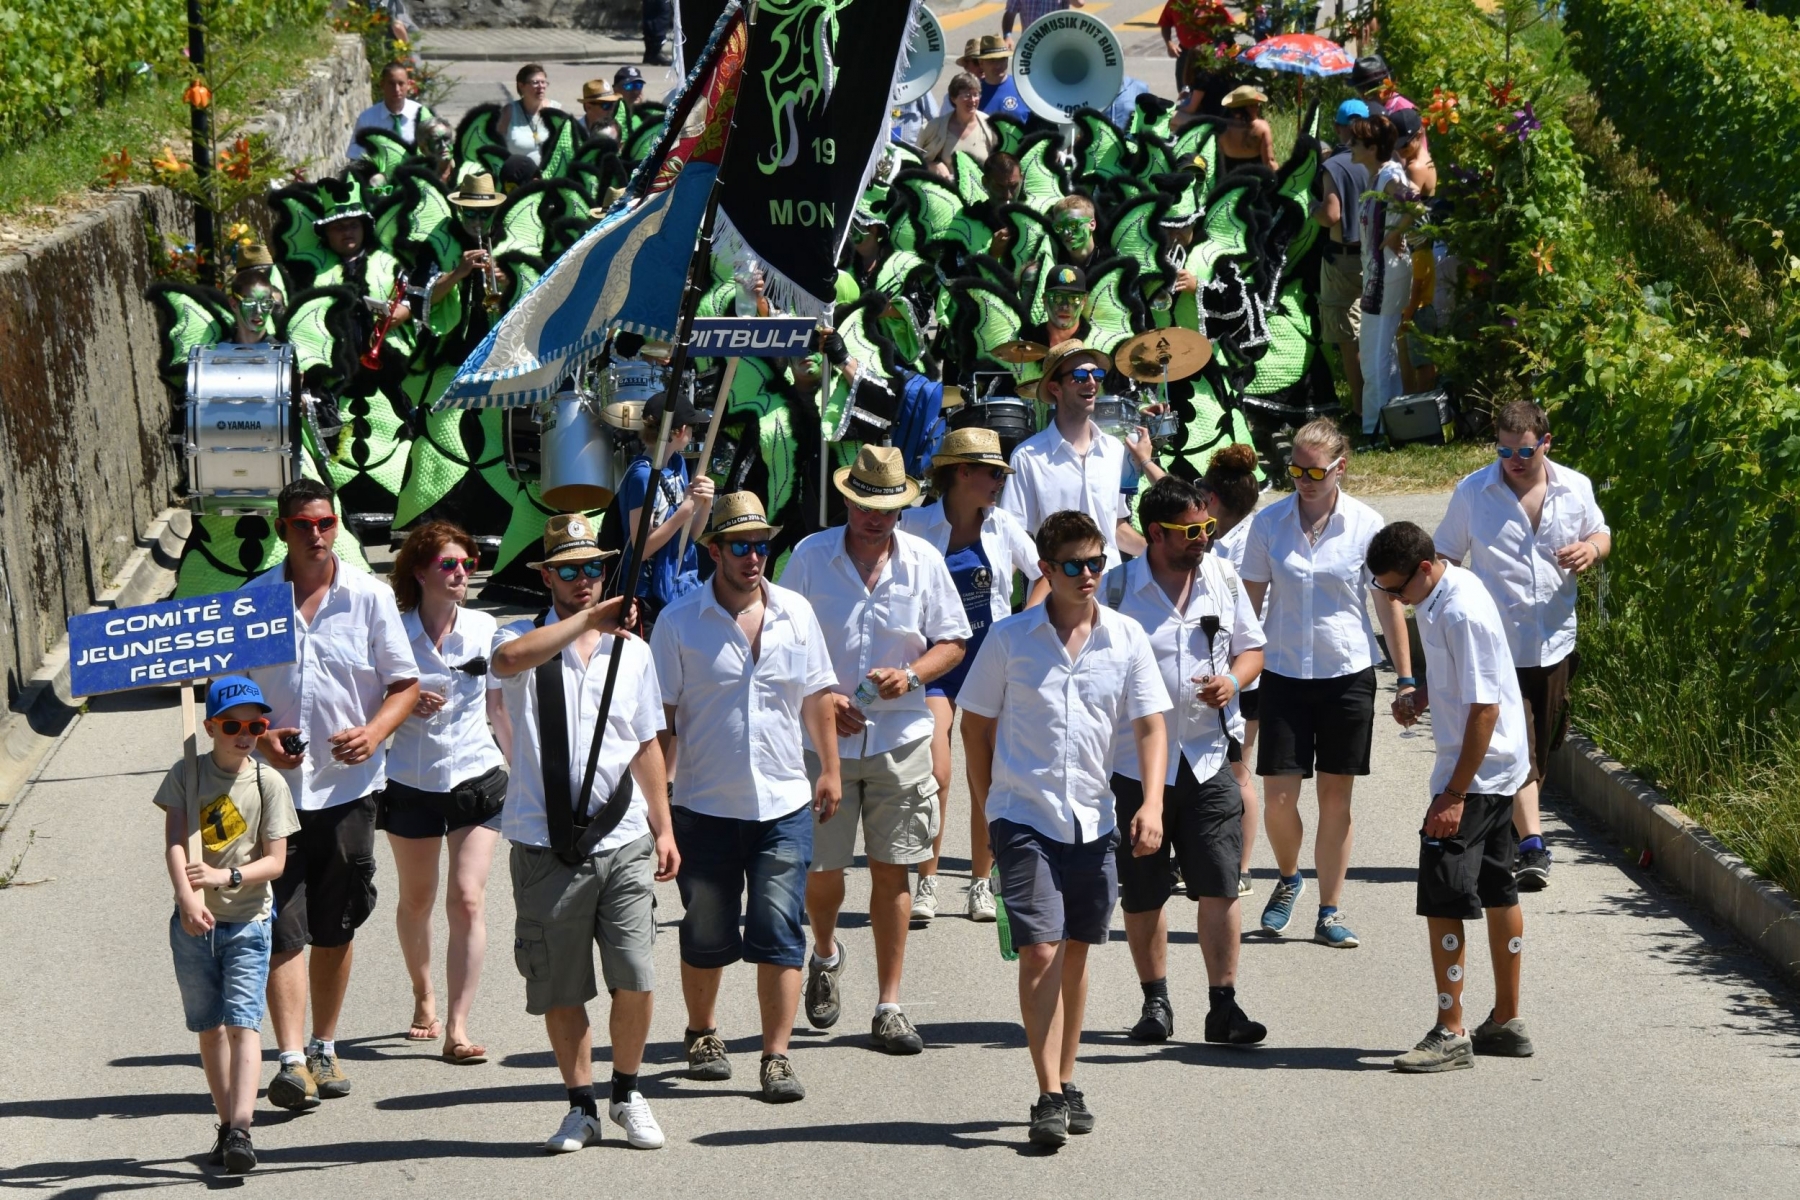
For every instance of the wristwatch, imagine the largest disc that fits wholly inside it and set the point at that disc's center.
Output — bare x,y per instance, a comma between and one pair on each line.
237,878
913,682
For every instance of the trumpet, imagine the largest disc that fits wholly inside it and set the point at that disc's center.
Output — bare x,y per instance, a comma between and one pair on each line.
491,299
371,358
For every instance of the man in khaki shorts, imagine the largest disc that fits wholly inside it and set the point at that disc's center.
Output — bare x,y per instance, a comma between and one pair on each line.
1340,267
894,622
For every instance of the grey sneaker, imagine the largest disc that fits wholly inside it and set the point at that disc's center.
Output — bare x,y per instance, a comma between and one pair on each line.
924,901
1503,1041
1440,1050
1049,1124
779,1083
1533,872
1246,885
981,901
706,1055
823,999
1081,1118
894,1033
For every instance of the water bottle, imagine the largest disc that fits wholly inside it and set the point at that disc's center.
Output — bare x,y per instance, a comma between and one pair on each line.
1001,924
867,693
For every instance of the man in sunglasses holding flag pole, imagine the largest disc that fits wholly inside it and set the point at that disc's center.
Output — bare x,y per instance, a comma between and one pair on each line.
1071,464
743,666
352,683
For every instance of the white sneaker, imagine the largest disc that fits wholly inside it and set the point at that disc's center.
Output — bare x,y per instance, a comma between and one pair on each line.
981,901
924,905
633,1116
577,1130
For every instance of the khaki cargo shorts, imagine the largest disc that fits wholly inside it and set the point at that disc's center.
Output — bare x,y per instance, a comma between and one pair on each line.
892,797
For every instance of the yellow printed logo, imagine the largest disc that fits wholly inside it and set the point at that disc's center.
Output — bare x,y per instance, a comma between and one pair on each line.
221,824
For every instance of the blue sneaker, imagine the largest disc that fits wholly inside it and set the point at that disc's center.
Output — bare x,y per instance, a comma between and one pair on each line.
1331,931
1278,913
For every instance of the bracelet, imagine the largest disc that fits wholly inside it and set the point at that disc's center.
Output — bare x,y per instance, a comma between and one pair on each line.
1450,791
1406,681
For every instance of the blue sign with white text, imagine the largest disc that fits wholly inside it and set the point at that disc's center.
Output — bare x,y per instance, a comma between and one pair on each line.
752,337
155,644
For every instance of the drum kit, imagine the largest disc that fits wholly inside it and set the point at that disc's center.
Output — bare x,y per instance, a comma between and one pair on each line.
1152,361
241,433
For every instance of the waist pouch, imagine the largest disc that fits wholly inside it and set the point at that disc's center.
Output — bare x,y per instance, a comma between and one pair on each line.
472,802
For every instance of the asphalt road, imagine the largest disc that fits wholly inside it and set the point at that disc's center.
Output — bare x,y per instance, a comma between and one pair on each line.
1668,1064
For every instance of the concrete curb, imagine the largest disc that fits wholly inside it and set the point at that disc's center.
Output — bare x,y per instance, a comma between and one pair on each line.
1760,912
45,707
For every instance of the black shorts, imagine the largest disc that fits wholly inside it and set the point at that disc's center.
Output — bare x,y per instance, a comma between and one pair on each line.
1250,704
1326,725
1054,891
1203,826
328,887
1545,691
1460,876
407,812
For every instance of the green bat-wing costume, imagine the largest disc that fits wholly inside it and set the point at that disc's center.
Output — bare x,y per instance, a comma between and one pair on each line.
968,179
383,154
641,141
1101,151
983,316
187,317
519,223
1152,116
931,203
1134,232
296,243
1115,310
1041,180
1011,131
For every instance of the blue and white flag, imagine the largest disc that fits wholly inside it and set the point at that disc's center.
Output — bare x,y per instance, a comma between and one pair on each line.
626,273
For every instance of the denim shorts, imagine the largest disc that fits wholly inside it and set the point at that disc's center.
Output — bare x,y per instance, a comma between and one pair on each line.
222,974
722,861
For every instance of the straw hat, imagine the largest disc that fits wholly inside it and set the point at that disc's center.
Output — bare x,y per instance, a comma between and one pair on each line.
254,256
992,46
599,89
877,479
569,538
738,515
1066,352
977,447
971,48
1243,95
477,191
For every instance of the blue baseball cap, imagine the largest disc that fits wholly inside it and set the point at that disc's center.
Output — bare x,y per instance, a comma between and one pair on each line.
1352,110
230,692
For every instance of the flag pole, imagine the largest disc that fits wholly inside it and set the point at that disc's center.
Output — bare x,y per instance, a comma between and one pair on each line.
712,435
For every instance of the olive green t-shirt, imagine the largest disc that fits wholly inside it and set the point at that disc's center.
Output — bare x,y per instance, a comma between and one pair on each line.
237,813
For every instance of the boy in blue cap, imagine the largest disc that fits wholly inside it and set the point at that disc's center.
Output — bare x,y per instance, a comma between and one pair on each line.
220,930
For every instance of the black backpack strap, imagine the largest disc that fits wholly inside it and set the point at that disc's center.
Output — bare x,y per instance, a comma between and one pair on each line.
572,836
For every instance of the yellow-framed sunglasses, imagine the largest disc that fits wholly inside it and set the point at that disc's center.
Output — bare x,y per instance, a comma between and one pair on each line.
1193,533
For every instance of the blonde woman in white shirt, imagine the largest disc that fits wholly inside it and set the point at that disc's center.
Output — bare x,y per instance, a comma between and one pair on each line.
983,545
446,779
1305,556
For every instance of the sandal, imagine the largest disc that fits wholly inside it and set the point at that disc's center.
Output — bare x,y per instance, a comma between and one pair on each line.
464,1054
428,1032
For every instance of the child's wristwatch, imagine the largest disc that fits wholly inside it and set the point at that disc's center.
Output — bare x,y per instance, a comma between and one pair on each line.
237,878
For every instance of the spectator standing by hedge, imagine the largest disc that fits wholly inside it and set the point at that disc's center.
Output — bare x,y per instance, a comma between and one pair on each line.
1343,183
1386,269
1527,528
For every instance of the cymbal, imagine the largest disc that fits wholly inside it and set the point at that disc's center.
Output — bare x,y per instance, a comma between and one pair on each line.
1029,389
1172,353
661,351
1019,352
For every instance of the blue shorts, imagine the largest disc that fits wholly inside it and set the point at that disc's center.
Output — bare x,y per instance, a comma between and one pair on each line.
950,682
1055,891
722,861
222,974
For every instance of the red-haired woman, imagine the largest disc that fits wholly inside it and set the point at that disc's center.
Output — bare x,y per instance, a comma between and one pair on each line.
446,778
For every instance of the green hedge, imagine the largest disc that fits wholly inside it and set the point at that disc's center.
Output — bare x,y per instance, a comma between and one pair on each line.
60,58
1708,90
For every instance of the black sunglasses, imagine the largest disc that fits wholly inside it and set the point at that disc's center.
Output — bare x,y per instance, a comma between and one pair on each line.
1395,592
740,549
593,570
476,666
1075,566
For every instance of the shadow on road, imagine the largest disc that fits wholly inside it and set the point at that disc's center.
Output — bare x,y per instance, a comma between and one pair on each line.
1241,1058
960,1136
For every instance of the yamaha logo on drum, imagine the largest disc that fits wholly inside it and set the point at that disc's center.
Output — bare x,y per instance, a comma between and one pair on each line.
237,425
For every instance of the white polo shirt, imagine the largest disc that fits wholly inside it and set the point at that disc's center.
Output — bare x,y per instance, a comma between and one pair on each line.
455,744
1179,644
1316,612
1468,662
1485,529
403,124
1048,476
1053,752
914,604
738,725
1003,540
348,655
636,717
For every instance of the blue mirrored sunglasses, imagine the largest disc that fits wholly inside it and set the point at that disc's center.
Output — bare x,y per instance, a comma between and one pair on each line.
740,549
1075,566
1525,452
1086,375
593,570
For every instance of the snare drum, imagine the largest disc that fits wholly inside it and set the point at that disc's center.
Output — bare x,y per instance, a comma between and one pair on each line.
632,380
1008,416
579,465
1116,415
1162,426
242,443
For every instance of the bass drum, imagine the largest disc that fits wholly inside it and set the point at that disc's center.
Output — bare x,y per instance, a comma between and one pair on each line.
1008,416
242,437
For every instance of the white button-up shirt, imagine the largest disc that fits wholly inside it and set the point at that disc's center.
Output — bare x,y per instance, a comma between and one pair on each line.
378,116
1467,662
738,726
1230,546
636,717
914,604
454,745
1048,476
1316,614
1485,529
348,655
1003,540
1180,647
1053,751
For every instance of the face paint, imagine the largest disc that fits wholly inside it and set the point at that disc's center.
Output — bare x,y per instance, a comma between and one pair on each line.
1516,945
1453,973
1450,943
1445,1000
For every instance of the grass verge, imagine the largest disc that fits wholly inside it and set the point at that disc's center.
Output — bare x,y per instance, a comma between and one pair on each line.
37,178
1415,468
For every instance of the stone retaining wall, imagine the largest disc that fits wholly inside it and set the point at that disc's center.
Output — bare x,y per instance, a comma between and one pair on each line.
613,15
85,463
